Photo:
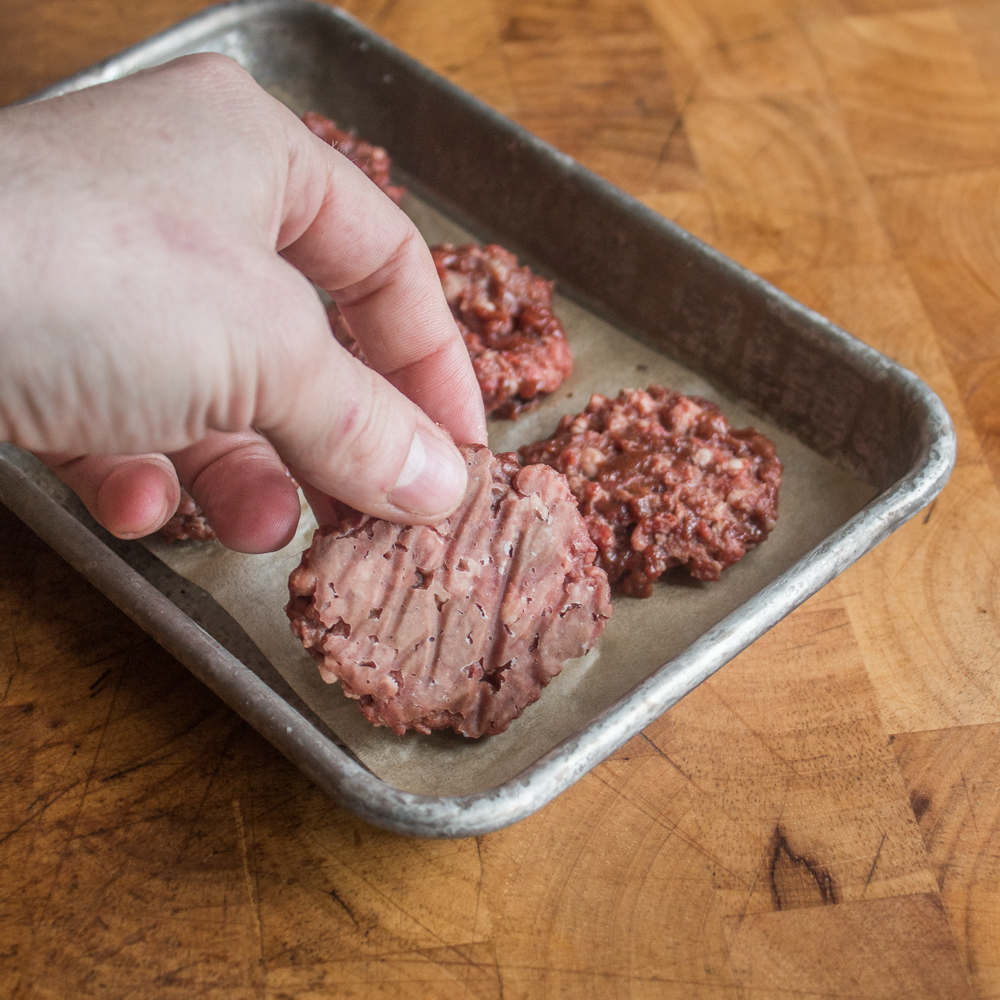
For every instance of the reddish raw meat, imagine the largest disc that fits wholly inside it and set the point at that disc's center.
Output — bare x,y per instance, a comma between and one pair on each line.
188,523
504,313
662,480
517,344
460,625
373,160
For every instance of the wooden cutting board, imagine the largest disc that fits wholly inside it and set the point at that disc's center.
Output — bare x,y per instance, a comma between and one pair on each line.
819,819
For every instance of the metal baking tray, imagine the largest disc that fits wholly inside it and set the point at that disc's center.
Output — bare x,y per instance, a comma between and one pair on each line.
611,255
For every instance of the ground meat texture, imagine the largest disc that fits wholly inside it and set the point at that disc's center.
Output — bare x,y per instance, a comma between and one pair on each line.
663,480
188,523
517,344
373,160
504,312
460,625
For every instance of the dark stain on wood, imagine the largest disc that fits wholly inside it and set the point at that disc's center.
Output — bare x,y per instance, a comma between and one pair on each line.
919,804
97,687
332,893
796,880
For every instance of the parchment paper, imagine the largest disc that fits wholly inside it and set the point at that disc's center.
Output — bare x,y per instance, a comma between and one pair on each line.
816,498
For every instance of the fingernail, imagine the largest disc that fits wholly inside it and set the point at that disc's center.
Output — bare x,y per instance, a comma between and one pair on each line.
433,478
151,524
135,500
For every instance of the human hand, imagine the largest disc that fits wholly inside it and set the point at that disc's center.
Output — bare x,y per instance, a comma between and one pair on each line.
157,326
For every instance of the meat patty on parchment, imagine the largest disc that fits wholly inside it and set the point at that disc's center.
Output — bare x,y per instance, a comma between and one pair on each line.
460,625
373,160
663,480
504,312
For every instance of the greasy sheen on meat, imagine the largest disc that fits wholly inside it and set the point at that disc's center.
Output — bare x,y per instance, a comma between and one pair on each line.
663,480
460,625
504,312
373,160
188,523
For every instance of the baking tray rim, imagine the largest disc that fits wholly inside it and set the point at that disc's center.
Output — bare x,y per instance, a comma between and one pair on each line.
335,771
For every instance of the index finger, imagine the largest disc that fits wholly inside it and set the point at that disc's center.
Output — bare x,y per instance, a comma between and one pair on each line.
387,286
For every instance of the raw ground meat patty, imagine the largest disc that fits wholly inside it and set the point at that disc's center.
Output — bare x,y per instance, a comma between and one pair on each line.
373,160
517,344
460,625
187,523
662,480
504,312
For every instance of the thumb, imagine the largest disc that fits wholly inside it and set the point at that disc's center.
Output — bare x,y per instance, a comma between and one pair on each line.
347,432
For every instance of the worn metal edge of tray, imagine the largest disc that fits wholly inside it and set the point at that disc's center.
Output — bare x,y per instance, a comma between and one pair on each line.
368,796
330,767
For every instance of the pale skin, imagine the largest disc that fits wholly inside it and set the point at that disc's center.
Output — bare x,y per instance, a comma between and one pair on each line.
158,328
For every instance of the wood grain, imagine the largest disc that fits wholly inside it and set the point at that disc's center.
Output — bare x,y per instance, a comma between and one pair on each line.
912,97
891,948
819,819
798,803
952,779
943,225
785,189
721,49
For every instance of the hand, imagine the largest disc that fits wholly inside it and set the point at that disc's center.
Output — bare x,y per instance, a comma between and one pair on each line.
157,326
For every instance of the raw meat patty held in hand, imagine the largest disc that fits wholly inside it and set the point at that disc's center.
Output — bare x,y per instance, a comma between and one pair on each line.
460,625
663,480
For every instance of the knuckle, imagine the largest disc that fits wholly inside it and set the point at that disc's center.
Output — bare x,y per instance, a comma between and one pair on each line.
210,67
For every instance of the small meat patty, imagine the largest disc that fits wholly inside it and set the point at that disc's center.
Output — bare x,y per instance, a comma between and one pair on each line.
504,312
373,160
460,625
188,523
663,480
517,344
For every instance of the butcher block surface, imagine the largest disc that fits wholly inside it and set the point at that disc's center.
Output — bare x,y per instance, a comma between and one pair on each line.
820,819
